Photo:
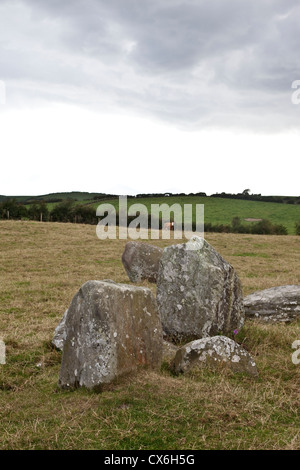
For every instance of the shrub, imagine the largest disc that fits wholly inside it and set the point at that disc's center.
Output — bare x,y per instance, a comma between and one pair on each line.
265,227
280,230
63,212
38,211
11,209
84,215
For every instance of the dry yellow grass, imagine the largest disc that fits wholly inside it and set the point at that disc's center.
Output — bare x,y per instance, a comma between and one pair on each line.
42,265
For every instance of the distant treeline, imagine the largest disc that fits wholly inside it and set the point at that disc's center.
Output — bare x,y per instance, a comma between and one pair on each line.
262,227
245,195
148,195
68,211
65,211
258,197
59,197
87,197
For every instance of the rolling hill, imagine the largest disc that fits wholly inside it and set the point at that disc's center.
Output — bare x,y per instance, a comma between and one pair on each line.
217,210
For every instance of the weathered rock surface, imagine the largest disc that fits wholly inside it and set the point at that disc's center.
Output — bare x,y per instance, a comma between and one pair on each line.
59,336
169,351
217,351
277,304
60,333
141,261
110,329
198,293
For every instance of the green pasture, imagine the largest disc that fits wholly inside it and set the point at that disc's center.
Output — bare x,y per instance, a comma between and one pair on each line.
222,211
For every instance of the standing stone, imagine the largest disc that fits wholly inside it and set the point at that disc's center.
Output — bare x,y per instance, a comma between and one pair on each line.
198,292
59,336
214,352
141,261
110,329
277,304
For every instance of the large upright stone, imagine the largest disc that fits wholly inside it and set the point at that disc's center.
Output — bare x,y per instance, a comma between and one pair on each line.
141,261
110,329
198,293
277,304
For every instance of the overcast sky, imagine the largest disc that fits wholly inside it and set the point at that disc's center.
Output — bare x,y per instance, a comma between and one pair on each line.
131,96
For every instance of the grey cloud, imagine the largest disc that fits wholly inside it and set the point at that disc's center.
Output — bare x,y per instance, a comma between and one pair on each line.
187,61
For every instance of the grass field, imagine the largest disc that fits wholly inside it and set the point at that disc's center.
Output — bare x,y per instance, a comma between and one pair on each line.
44,264
217,211
222,211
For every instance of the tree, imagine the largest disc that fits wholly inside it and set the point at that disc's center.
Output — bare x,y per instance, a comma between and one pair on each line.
43,211
63,212
263,227
11,209
84,214
236,224
33,212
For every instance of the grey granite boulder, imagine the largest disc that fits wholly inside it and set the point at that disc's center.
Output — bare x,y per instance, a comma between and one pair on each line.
217,351
141,261
110,329
277,304
198,293
59,336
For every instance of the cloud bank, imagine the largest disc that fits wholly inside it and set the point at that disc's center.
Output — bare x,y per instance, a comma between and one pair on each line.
193,63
